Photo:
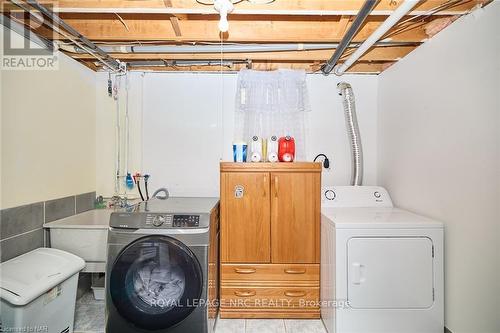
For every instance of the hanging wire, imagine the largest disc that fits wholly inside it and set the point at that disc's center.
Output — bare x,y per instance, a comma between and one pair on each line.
403,26
122,21
222,87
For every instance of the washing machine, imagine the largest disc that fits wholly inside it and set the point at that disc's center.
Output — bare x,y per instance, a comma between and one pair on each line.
381,267
162,264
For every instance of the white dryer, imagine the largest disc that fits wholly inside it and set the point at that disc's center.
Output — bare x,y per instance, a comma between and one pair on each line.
381,267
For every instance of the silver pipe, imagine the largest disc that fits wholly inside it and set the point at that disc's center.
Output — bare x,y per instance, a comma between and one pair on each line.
231,48
353,133
59,22
7,22
349,35
382,29
212,48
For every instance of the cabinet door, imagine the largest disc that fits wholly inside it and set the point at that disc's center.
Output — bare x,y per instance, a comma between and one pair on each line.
295,217
245,229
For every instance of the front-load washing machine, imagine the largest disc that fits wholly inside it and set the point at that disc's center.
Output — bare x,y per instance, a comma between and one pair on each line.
381,267
162,267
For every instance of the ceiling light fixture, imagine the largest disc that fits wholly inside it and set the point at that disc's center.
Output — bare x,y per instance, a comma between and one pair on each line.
257,2
224,7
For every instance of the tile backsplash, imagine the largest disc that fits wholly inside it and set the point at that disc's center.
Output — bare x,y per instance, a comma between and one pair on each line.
21,227
85,202
59,208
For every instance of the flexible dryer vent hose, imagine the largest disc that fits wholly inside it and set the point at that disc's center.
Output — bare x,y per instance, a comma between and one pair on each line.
351,120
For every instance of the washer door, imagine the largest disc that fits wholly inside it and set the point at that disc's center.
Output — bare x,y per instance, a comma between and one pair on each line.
156,282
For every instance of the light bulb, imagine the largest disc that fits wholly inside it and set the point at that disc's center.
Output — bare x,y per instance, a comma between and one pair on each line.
223,23
224,7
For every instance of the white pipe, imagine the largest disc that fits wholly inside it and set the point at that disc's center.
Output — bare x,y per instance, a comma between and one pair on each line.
127,124
117,139
390,22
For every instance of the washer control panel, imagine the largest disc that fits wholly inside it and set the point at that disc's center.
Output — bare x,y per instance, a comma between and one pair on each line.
186,221
158,220
173,220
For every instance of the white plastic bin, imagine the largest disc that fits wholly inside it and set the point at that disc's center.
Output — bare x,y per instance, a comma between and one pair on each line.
38,291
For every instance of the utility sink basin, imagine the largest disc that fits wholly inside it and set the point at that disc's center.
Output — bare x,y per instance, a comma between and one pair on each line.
84,235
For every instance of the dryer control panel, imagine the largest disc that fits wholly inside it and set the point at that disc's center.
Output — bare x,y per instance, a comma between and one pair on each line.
355,196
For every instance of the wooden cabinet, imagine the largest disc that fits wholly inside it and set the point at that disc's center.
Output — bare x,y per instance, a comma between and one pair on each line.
247,207
270,240
295,207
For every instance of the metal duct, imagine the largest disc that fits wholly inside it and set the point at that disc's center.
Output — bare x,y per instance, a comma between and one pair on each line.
353,133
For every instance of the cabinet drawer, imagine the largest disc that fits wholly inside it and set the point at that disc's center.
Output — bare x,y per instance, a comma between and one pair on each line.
270,272
270,297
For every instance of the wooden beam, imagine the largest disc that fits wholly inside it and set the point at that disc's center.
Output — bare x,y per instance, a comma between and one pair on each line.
342,25
327,7
105,27
392,53
173,20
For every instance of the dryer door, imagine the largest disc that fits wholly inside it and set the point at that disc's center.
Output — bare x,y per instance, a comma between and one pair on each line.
155,282
390,273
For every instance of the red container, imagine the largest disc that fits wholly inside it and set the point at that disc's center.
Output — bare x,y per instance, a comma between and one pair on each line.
286,149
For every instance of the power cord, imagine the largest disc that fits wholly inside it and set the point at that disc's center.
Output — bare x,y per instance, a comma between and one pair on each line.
326,161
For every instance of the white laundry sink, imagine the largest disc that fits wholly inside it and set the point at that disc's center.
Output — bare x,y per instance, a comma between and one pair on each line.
84,235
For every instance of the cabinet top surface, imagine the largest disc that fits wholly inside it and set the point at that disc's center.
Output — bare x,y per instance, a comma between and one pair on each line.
273,167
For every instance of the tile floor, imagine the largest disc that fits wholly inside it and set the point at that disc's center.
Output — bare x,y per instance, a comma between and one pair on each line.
89,318
269,326
89,315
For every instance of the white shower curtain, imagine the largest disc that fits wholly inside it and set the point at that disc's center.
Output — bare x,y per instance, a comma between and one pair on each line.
272,103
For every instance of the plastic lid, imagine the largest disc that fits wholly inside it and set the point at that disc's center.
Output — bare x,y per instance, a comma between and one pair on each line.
28,276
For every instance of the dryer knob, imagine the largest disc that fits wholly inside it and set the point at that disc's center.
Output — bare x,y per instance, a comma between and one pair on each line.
330,195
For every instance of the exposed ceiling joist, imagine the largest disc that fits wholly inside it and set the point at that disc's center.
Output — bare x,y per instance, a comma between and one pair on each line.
173,20
159,22
106,27
309,7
